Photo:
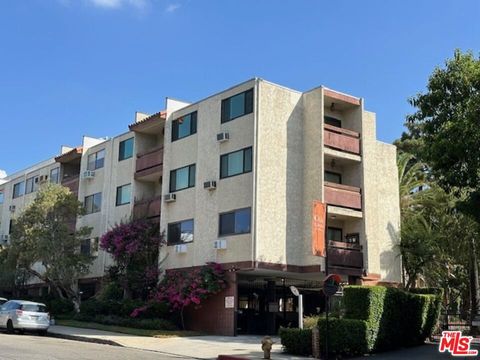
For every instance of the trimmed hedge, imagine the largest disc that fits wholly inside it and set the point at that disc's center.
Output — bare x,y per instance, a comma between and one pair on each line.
394,317
148,324
93,307
296,341
345,336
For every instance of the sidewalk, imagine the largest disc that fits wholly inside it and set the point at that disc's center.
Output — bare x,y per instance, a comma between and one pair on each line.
197,347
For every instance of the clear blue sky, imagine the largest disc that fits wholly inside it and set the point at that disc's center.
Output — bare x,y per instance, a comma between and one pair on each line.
83,67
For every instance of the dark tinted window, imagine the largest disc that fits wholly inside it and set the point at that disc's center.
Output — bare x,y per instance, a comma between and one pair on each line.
180,232
237,105
184,126
33,308
182,178
335,234
235,163
332,121
333,177
125,150
235,222
93,203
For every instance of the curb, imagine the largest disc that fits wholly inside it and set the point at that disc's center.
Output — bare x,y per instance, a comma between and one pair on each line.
84,339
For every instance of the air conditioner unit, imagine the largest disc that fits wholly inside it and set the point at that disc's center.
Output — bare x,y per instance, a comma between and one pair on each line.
223,136
12,208
43,179
220,244
88,174
210,185
181,248
4,238
170,198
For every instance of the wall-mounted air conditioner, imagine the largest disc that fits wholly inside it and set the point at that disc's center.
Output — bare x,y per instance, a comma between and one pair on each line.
210,185
223,136
220,244
88,174
12,208
170,198
181,248
43,179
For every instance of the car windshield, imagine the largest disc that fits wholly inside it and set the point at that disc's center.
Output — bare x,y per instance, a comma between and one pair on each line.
34,308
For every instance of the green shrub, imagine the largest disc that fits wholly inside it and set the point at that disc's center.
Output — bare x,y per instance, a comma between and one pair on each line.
59,306
345,336
296,341
149,324
111,291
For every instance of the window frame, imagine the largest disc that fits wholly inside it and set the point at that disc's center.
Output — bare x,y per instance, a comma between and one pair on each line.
117,193
332,173
247,108
120,158
95,162
82,246
87,212
234,224
58,175
244,162
193,126
31,184
335,228
190,184
20,194
169,243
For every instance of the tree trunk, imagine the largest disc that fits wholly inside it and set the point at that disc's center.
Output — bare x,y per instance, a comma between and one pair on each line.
474,286
181,318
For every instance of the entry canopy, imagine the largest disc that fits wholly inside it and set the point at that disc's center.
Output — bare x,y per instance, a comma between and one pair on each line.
294,290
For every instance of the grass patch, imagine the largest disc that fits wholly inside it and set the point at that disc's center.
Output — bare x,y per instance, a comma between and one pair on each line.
127,330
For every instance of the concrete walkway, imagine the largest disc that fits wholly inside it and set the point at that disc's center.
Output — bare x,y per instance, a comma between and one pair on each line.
196,347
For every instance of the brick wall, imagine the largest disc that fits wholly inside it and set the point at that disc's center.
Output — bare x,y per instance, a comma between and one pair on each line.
212,317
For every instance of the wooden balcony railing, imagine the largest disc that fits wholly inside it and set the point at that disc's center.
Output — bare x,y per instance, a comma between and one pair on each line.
149,162
341,139
344,255
71,182
343,196
147,208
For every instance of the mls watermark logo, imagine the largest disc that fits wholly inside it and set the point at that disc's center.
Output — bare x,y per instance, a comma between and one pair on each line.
456,344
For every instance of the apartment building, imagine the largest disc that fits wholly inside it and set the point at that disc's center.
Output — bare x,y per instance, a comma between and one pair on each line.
232,179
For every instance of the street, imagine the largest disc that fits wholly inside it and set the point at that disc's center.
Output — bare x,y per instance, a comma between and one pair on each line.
32,347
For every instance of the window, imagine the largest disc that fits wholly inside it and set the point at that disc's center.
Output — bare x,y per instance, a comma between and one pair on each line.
93,203
238,105
184,126
333,177
96,160
31,185
55,175
180,232
18,189
235,222
123,194
1,197
182,178
332,121
86,247
334,234
235,163
125,150
10,227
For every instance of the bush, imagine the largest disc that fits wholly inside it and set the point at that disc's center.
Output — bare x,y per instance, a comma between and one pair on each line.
394,317
345,336
309,322
148,324
60,306
296,341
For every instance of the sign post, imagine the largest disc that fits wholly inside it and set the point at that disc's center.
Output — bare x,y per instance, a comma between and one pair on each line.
295,292
331,284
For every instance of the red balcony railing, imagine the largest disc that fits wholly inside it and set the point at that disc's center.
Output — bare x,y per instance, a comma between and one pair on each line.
343,195
149,162
71,182
342,139
147,208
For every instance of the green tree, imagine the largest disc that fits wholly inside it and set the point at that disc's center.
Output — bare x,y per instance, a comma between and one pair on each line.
46,243
447,121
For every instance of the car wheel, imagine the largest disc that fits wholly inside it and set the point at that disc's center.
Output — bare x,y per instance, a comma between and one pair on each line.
21,331
10,328
42,332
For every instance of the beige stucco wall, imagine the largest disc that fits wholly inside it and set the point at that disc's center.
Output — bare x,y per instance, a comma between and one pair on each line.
197,203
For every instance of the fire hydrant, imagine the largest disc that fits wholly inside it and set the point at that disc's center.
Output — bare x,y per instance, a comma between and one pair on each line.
267,346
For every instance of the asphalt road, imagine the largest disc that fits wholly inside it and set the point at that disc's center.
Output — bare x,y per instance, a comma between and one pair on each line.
32,347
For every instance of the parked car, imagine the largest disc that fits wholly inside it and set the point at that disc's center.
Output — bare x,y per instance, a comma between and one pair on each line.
24,315
3,300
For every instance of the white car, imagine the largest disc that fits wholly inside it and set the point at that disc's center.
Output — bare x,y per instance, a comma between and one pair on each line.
24,315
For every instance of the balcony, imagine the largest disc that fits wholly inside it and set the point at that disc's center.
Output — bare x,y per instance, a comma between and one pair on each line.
345,258
71,182
149,165
343,196
147,208
341,139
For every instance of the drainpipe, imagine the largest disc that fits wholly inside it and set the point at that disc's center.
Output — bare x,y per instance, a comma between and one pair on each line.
255,172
